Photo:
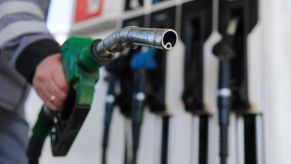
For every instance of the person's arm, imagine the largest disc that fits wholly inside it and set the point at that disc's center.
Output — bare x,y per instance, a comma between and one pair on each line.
26,42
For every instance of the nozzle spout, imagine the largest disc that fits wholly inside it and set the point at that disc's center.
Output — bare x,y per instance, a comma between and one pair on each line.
134,36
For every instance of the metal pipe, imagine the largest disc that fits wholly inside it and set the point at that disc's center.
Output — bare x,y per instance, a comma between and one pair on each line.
133,36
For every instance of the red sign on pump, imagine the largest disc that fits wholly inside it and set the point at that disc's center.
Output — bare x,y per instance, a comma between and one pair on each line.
86,9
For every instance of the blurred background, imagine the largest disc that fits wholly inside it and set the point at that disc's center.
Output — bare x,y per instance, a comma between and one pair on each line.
180,121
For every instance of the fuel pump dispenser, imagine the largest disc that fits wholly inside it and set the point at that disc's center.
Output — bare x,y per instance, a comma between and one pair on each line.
236,20
195,30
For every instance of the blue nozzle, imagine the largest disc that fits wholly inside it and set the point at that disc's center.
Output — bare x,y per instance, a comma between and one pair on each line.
143,59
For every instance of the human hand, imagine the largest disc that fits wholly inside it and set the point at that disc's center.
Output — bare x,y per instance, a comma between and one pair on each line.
50,83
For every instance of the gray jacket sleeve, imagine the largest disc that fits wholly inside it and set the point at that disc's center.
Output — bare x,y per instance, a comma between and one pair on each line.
24,37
